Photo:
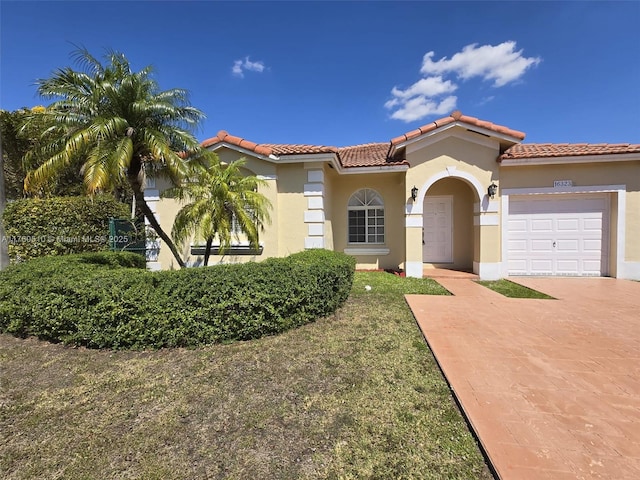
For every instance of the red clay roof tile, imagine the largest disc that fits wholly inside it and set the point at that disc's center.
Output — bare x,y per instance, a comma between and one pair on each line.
546,150
296,149
445,121
248,145
457,116
413,134
400,139
368,155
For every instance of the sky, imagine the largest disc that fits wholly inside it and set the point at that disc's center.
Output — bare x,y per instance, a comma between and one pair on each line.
346,73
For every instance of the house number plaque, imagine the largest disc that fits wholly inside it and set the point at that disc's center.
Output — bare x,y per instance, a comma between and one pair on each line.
562,183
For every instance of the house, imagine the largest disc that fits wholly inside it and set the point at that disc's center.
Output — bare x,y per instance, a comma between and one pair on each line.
459,193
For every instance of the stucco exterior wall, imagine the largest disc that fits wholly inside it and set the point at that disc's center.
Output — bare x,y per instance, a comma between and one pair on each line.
330,179
632,244
464,152
291,229
166,210
258,166
613,235
391,188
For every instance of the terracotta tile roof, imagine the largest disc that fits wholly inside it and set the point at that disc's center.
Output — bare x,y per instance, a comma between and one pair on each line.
267,148
385,153
366,155
457,116
545,150
223,136
286,149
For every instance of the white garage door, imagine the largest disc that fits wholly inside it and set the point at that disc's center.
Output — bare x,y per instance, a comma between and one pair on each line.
558,235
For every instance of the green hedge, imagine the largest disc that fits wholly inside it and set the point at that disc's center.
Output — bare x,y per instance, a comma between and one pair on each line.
99,301
36,227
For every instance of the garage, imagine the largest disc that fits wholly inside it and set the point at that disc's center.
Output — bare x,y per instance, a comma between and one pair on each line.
555,234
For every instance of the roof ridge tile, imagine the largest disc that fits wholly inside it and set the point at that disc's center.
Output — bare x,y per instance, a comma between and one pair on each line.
458,116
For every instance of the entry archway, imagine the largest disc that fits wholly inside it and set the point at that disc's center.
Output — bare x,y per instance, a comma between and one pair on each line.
448,230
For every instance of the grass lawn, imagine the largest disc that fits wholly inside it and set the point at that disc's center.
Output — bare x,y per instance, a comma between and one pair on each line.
353,396
513,290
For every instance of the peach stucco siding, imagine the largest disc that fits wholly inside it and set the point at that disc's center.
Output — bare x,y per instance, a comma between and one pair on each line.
390,187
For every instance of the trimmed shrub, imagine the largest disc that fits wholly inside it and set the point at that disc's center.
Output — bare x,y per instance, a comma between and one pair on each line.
99,301
36,227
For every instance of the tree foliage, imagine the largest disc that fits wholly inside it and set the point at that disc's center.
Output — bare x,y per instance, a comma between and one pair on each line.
37,227
223,203
122,127
26,130
13,150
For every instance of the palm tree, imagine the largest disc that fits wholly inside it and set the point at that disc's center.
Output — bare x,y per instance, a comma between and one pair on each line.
122,127
223,202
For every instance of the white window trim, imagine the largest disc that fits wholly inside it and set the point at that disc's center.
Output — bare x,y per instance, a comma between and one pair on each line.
366,251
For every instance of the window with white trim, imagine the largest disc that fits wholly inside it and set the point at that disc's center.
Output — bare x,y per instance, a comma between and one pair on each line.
366,217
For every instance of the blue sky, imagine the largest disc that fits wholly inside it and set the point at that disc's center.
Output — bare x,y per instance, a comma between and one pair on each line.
344,73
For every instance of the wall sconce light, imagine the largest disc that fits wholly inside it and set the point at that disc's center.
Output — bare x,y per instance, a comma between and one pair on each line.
414,193
492,190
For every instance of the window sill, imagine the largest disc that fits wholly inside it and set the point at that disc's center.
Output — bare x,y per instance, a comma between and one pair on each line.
239,249
366,251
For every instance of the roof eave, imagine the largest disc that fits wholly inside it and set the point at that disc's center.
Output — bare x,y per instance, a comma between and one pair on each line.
568,159
307,157
374,169
217,146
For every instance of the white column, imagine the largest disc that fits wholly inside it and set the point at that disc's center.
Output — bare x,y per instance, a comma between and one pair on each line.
152,196
314,214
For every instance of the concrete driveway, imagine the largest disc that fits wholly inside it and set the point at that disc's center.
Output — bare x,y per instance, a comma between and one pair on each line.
551,387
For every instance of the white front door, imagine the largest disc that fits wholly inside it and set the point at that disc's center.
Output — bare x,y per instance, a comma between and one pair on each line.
437,230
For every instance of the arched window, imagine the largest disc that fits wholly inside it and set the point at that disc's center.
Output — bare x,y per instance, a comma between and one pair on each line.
366,217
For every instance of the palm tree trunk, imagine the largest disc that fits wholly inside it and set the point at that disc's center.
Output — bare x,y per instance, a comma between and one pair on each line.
207,251
4,254
148,214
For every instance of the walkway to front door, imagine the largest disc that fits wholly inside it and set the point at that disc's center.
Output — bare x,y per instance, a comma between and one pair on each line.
551,387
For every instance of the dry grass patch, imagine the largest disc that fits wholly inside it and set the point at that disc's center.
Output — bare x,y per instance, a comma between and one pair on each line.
356,395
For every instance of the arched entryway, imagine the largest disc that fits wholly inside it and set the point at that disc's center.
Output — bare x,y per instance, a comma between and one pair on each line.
468,202
448,230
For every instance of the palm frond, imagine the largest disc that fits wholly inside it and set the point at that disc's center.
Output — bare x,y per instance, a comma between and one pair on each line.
82,57
102,103
49,169
220,199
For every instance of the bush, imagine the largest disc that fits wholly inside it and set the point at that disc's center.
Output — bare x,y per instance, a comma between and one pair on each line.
37,227
99,301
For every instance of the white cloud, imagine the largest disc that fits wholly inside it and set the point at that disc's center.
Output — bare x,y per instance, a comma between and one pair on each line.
428,87
421,106
485,100
501,64
240,66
